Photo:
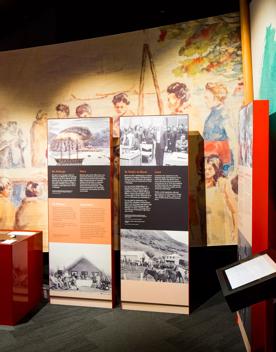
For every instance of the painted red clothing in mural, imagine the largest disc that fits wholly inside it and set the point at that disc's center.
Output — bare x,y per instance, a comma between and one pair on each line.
216,141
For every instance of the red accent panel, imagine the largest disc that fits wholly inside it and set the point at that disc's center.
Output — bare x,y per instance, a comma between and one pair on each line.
260,187
260,175
272,182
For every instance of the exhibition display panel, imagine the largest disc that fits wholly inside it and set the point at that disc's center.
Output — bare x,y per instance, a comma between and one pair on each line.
80,201
154,213
20,274
249,281
253,210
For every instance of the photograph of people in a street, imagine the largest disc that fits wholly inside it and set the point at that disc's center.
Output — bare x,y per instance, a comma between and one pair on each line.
154,140
150,255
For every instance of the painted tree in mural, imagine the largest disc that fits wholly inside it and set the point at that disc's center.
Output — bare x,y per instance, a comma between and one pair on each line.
207,47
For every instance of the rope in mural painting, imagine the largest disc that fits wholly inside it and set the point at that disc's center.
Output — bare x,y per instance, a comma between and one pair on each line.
147,53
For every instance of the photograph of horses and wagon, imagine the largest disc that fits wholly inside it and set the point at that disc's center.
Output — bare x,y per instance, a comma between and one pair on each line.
151,255
87,270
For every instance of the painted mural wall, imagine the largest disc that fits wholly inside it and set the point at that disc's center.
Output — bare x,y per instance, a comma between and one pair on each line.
263,44
188,68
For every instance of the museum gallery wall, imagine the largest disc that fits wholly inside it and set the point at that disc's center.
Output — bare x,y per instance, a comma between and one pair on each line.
187,68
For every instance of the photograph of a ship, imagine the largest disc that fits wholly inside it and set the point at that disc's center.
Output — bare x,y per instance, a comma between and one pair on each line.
79,141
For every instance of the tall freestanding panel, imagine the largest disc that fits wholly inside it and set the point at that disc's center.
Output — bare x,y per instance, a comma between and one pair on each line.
80,193
154,213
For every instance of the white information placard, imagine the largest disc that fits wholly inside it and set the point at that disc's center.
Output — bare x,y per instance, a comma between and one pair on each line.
21,233
250,271
8,242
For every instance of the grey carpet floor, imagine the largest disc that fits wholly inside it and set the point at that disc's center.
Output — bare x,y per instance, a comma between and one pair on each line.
57,328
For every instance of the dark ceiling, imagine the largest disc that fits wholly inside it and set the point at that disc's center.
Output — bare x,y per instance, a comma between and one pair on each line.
28,23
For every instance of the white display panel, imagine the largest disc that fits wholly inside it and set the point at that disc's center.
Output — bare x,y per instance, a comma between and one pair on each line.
250,271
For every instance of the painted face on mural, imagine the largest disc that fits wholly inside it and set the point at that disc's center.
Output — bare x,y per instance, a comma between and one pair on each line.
210,99
209,171
120,108
174,103
61,114
84,114
7,190
44,117
38,190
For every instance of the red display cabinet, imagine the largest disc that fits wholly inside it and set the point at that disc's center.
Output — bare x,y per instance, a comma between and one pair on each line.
21,264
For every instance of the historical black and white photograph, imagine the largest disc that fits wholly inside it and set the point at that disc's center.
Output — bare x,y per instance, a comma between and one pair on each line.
151,255
80,267
154,140
79,141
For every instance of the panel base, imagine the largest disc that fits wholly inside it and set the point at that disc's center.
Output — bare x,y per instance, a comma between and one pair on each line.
160,308
7,328
81,302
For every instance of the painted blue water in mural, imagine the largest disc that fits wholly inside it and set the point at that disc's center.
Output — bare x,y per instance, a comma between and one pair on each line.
268,78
